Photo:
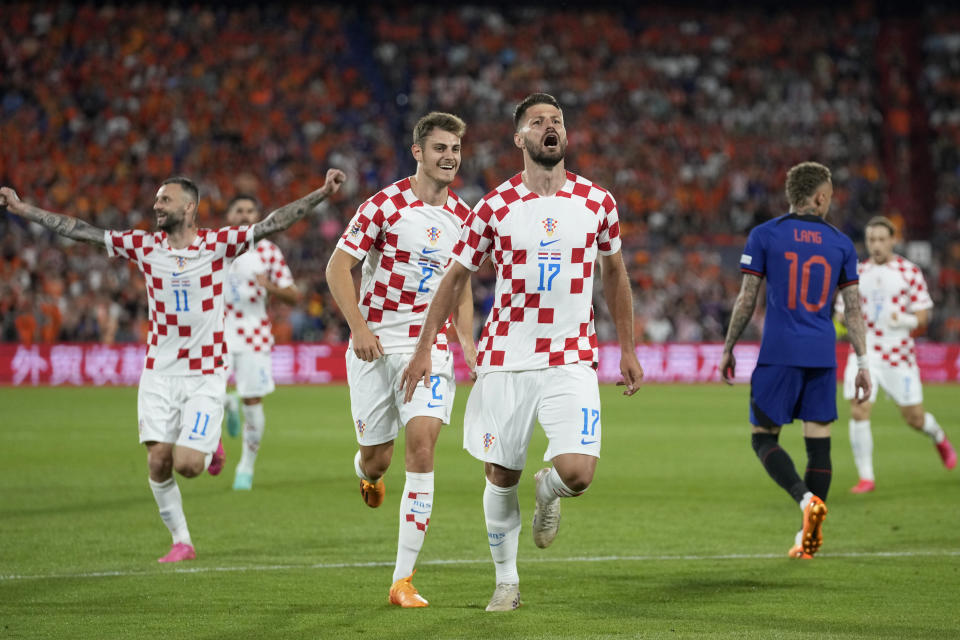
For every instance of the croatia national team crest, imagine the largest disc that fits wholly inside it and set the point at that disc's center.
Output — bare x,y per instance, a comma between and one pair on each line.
550,226
488,439
361,427
433,235
181,263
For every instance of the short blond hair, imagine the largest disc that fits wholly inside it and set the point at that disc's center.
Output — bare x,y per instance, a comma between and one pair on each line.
882,221
437,120
803,180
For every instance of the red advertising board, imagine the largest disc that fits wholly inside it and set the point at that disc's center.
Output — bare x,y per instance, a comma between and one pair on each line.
319,363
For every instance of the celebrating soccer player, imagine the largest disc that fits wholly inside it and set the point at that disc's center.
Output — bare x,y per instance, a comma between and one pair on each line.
805,259
182,388
404,233
252,277
544,230
895,301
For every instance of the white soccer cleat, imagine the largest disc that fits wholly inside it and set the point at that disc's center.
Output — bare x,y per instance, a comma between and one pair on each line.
506,597
546,517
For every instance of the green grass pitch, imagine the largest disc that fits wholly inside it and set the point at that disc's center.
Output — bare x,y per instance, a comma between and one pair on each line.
682,534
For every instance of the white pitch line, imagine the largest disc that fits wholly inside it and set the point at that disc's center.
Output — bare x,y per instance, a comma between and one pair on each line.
454,561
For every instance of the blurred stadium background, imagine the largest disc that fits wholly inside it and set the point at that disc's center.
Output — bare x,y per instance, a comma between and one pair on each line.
689,115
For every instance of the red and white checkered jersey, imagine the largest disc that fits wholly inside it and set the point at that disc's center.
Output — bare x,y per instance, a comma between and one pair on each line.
406,247
543,250
184,294
895,286
248,327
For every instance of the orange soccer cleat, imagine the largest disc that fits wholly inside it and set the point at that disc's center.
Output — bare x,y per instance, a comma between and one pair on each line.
373,492
404,594
796,551
813,516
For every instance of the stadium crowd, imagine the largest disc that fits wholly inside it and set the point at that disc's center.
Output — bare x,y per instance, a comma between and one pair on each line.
689,116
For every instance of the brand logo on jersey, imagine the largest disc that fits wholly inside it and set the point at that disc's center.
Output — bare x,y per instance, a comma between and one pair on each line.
488,439
361,426
433,235
550,226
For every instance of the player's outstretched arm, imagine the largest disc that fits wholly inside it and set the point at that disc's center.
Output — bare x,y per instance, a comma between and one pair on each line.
67,226
616,290
857,331
366,346
282,218
739,319
448,293
463,323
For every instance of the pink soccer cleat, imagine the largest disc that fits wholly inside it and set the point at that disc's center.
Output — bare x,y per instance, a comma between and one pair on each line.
864,486
179,551
947,454
219,457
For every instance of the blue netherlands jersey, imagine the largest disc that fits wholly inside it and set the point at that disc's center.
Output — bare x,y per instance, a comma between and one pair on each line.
804,259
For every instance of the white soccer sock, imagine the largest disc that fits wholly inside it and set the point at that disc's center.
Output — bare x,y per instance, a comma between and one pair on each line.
805,500
932,428
167,495
501,508
416,505
552,487
359,469
254,423
861,441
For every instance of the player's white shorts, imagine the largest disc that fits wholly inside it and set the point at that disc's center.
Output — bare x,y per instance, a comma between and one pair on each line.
376,399
186,410
253,373
504,405
902,383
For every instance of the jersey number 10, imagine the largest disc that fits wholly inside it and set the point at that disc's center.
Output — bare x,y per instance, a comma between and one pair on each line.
805,268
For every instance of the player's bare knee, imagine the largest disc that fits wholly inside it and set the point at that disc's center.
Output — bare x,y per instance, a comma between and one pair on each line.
189,468
578,481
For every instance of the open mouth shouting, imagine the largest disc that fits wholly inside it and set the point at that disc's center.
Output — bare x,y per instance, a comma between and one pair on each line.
551,141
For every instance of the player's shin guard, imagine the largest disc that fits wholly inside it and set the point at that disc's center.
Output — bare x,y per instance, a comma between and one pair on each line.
170,504
501,508
932,428
416,505
254,423
778,464
819,467
861,441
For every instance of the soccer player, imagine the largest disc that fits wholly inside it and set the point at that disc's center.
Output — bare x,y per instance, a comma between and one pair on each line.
249,335
543,229
895,301
805,259
404,234
180,398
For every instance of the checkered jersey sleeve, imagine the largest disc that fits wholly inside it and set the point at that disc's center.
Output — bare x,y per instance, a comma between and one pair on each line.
228,242
365,227
919,294
475,241
128,244
608,237
276,267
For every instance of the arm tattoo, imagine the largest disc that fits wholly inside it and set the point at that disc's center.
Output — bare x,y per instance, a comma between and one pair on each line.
742,309
66,226
286,215
853,317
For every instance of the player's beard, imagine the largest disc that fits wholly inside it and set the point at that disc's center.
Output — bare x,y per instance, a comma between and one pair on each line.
172,221
547,158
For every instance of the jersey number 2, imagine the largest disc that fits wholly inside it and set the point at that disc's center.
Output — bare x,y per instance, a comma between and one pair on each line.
794,260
